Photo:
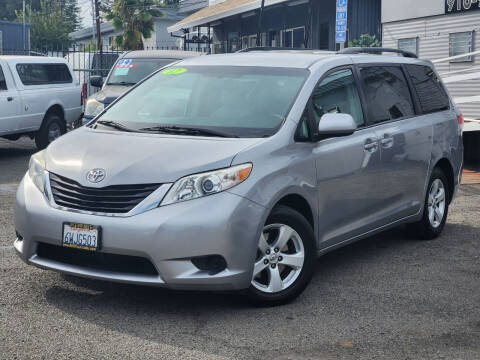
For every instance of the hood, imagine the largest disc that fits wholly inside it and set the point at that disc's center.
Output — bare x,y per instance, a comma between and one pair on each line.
135,158
109,93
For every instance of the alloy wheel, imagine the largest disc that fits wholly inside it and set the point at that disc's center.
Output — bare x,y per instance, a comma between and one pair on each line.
436,203
280,258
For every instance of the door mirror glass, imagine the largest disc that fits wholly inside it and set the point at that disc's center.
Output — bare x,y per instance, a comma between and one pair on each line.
335,125
96,81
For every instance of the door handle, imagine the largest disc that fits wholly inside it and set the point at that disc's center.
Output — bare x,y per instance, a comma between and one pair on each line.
387,141
10,98
371,145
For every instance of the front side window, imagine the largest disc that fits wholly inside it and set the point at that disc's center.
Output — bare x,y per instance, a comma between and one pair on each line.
3,83
387,93
40,74
338,93
238,101
461,43
131,71
430,91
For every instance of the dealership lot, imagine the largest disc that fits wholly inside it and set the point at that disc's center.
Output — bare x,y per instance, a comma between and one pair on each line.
389,296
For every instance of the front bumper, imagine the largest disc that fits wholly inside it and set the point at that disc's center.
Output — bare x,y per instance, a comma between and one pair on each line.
223,224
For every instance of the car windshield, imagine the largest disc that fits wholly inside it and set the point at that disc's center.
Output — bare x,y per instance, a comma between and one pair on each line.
232,101
131,71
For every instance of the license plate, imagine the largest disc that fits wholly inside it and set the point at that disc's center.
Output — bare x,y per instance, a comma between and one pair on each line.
81,236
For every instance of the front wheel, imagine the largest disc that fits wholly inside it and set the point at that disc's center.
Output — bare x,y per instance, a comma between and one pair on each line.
285,258
435,207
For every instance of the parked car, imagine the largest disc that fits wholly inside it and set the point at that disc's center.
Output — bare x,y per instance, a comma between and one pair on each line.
130,68
237,171
86,64
39,97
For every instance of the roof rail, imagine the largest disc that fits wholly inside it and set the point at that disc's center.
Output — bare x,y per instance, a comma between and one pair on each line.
271,48
376,50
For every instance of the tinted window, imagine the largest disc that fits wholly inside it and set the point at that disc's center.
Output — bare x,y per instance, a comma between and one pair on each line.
3,83
387,93
430,91
239,101
337,93
39,74
108,59
131,71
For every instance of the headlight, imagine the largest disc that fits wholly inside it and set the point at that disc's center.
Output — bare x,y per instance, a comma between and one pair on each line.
36,170
93,107
198,185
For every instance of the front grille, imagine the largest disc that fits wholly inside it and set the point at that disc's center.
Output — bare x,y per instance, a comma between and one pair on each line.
115,199
97,260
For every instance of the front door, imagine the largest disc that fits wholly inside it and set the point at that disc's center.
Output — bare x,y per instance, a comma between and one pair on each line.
9,102
347,167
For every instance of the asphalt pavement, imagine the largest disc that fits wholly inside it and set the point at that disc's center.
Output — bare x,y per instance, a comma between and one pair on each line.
386,297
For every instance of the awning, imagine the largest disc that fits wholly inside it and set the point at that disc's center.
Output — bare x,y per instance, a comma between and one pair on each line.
219,11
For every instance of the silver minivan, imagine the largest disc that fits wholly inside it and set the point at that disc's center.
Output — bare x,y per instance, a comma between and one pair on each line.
235,172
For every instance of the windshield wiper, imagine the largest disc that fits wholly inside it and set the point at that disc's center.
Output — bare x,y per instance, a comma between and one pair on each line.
187,131
124,83
114,125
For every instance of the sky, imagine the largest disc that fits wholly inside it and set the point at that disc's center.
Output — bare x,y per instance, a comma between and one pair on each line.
86,12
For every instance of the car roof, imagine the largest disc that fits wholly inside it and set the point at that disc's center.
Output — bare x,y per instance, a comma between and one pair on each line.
160,54
301,59
32,59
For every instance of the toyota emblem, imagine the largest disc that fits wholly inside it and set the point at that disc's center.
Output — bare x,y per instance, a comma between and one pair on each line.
96,175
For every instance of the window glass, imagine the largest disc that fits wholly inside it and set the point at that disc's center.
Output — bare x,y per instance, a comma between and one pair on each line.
108,59
242,101
131,71
461,43
3,83
337,93
409,44
430,90
387,93
39,74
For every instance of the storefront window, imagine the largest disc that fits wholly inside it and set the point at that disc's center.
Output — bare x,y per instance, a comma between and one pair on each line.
294,38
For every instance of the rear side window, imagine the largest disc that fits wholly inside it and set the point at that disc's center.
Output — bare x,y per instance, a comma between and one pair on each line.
387,92
430,91
3,83
40,74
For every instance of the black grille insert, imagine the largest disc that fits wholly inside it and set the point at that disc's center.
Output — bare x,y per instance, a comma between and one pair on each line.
116,199
97,260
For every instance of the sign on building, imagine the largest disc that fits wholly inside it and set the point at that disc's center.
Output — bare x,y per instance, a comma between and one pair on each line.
454,6
341,22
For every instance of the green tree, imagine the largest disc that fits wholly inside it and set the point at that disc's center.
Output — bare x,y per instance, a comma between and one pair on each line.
135,19
8,8
366,40
51,23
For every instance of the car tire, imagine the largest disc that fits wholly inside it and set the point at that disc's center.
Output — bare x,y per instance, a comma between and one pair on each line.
435,209
265,289
52,127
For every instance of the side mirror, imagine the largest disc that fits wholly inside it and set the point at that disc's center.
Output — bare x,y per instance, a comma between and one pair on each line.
336,125
96,81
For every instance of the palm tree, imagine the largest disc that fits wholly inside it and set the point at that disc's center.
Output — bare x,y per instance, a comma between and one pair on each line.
134,18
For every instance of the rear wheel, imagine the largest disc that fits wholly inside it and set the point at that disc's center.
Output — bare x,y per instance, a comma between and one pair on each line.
435,207
52,128
285,258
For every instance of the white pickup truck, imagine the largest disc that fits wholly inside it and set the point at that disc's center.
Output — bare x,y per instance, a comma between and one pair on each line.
39,97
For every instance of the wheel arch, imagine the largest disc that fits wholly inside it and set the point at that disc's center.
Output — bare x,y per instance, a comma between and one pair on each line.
447,168
55,109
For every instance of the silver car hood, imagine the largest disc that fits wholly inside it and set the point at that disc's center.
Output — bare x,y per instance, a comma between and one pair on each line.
134,158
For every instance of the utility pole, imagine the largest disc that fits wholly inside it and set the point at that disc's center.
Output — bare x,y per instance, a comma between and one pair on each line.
24,36
93,25
99,35
259,31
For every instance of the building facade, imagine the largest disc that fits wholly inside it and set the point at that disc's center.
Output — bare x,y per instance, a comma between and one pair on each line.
235,24
436,30
160,37
14,38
